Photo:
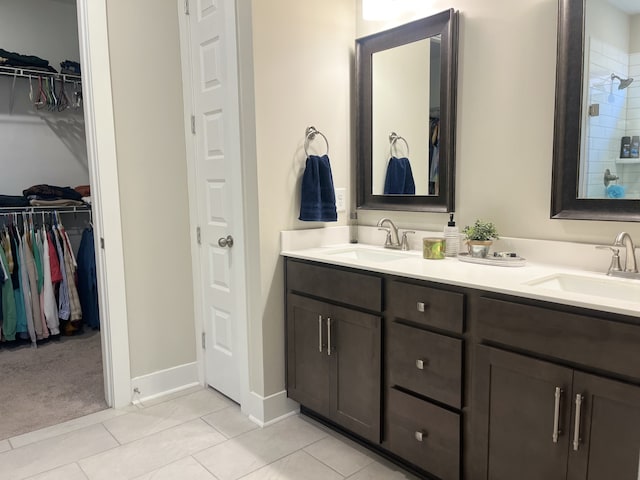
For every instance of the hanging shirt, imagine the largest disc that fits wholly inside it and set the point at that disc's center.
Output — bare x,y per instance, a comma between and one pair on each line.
21,324
49,299
34,296
75,310
9,314
26,292
87,280
54,263
64,311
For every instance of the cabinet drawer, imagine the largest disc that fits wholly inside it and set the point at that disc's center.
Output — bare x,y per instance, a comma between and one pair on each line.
357,289
425,363
426,306
408,418
581,339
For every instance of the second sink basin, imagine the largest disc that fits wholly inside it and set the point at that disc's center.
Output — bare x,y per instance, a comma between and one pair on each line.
606,287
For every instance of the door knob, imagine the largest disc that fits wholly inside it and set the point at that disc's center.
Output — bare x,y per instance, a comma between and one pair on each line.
226,242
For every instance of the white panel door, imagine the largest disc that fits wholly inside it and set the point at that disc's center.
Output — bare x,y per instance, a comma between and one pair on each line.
219,187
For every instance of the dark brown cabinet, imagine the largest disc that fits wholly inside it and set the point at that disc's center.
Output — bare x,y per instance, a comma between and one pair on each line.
548,419
423,366
334,362
461,383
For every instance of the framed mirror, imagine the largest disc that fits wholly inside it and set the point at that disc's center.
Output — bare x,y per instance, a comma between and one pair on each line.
596,166
406,116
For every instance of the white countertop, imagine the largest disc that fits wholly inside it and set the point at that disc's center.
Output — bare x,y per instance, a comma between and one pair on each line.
320,245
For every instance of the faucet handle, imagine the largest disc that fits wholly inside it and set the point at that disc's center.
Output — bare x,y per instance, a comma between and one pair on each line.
405,241
387,242
615,259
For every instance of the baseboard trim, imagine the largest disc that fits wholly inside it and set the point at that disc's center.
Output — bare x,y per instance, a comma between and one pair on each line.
164,382
267,410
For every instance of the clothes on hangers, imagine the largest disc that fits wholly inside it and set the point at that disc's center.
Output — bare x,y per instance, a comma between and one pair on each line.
45,290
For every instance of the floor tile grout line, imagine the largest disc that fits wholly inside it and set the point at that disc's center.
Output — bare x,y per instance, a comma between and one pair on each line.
204,466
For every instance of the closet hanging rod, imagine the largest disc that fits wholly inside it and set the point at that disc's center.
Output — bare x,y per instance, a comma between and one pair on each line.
26,73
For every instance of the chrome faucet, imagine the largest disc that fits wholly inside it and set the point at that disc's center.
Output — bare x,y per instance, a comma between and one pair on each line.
392,241
624,240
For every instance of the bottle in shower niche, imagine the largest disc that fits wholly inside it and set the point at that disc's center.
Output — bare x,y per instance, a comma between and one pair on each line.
625,147
451,238
634,151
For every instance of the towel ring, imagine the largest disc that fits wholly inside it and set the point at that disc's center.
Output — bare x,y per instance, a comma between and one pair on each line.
393,138
310,135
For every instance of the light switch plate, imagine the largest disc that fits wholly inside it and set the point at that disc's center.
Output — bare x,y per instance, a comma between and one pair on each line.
341,200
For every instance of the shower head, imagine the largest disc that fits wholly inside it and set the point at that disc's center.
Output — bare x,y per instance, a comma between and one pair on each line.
624,82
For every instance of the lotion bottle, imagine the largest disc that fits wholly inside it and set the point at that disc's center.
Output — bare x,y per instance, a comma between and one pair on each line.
452,238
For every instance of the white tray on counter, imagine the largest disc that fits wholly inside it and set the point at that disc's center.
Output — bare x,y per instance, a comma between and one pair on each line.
495,261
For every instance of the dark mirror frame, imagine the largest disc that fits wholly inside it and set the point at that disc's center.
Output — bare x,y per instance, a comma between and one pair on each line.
444,24
565,203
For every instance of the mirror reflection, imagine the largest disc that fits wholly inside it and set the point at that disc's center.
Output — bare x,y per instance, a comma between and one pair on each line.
405,104
610,156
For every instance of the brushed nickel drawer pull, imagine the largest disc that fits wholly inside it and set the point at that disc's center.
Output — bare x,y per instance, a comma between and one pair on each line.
320,333
420,306
328,335
576,428
420,363
556,415
419,435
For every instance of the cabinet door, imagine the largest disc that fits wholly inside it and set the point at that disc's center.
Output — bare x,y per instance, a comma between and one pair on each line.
608,444
307,365
356,348
515,409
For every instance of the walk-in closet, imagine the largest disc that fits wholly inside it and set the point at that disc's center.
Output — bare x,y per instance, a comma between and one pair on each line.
50,345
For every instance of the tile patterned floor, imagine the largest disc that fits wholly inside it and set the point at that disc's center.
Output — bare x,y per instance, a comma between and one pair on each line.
194,435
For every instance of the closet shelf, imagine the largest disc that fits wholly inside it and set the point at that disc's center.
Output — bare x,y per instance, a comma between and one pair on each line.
27,72
48,208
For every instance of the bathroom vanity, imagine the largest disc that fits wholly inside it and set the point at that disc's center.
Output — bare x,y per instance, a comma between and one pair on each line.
464,371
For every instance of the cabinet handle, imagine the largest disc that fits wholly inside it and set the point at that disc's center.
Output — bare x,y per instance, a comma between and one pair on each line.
419,435
420,364
576,429
420,306
320,333
329,336
556,415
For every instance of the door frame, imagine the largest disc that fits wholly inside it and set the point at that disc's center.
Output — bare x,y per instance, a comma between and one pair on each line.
103,174
196,251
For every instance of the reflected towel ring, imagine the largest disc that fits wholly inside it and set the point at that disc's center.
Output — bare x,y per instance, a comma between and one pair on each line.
310,135
393,138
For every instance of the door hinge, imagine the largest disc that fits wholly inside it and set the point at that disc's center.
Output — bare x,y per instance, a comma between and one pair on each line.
199,236
102,243
186,7
193,124
204,340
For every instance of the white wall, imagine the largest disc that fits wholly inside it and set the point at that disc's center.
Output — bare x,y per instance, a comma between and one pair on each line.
41,146
148,110
303,68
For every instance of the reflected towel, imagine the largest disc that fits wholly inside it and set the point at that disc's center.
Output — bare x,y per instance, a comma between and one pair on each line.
399,179
318,198
615,191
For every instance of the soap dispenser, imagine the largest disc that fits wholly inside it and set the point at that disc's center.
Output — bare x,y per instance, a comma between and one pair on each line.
451,238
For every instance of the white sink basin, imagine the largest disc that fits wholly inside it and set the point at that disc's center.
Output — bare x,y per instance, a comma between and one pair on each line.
367,254
606,287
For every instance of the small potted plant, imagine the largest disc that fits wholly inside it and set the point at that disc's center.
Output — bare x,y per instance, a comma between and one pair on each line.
480,237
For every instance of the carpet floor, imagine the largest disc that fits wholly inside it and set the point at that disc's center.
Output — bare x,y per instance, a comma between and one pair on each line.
58,381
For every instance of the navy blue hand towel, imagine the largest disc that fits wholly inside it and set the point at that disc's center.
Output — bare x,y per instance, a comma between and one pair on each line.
399,179
318,199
